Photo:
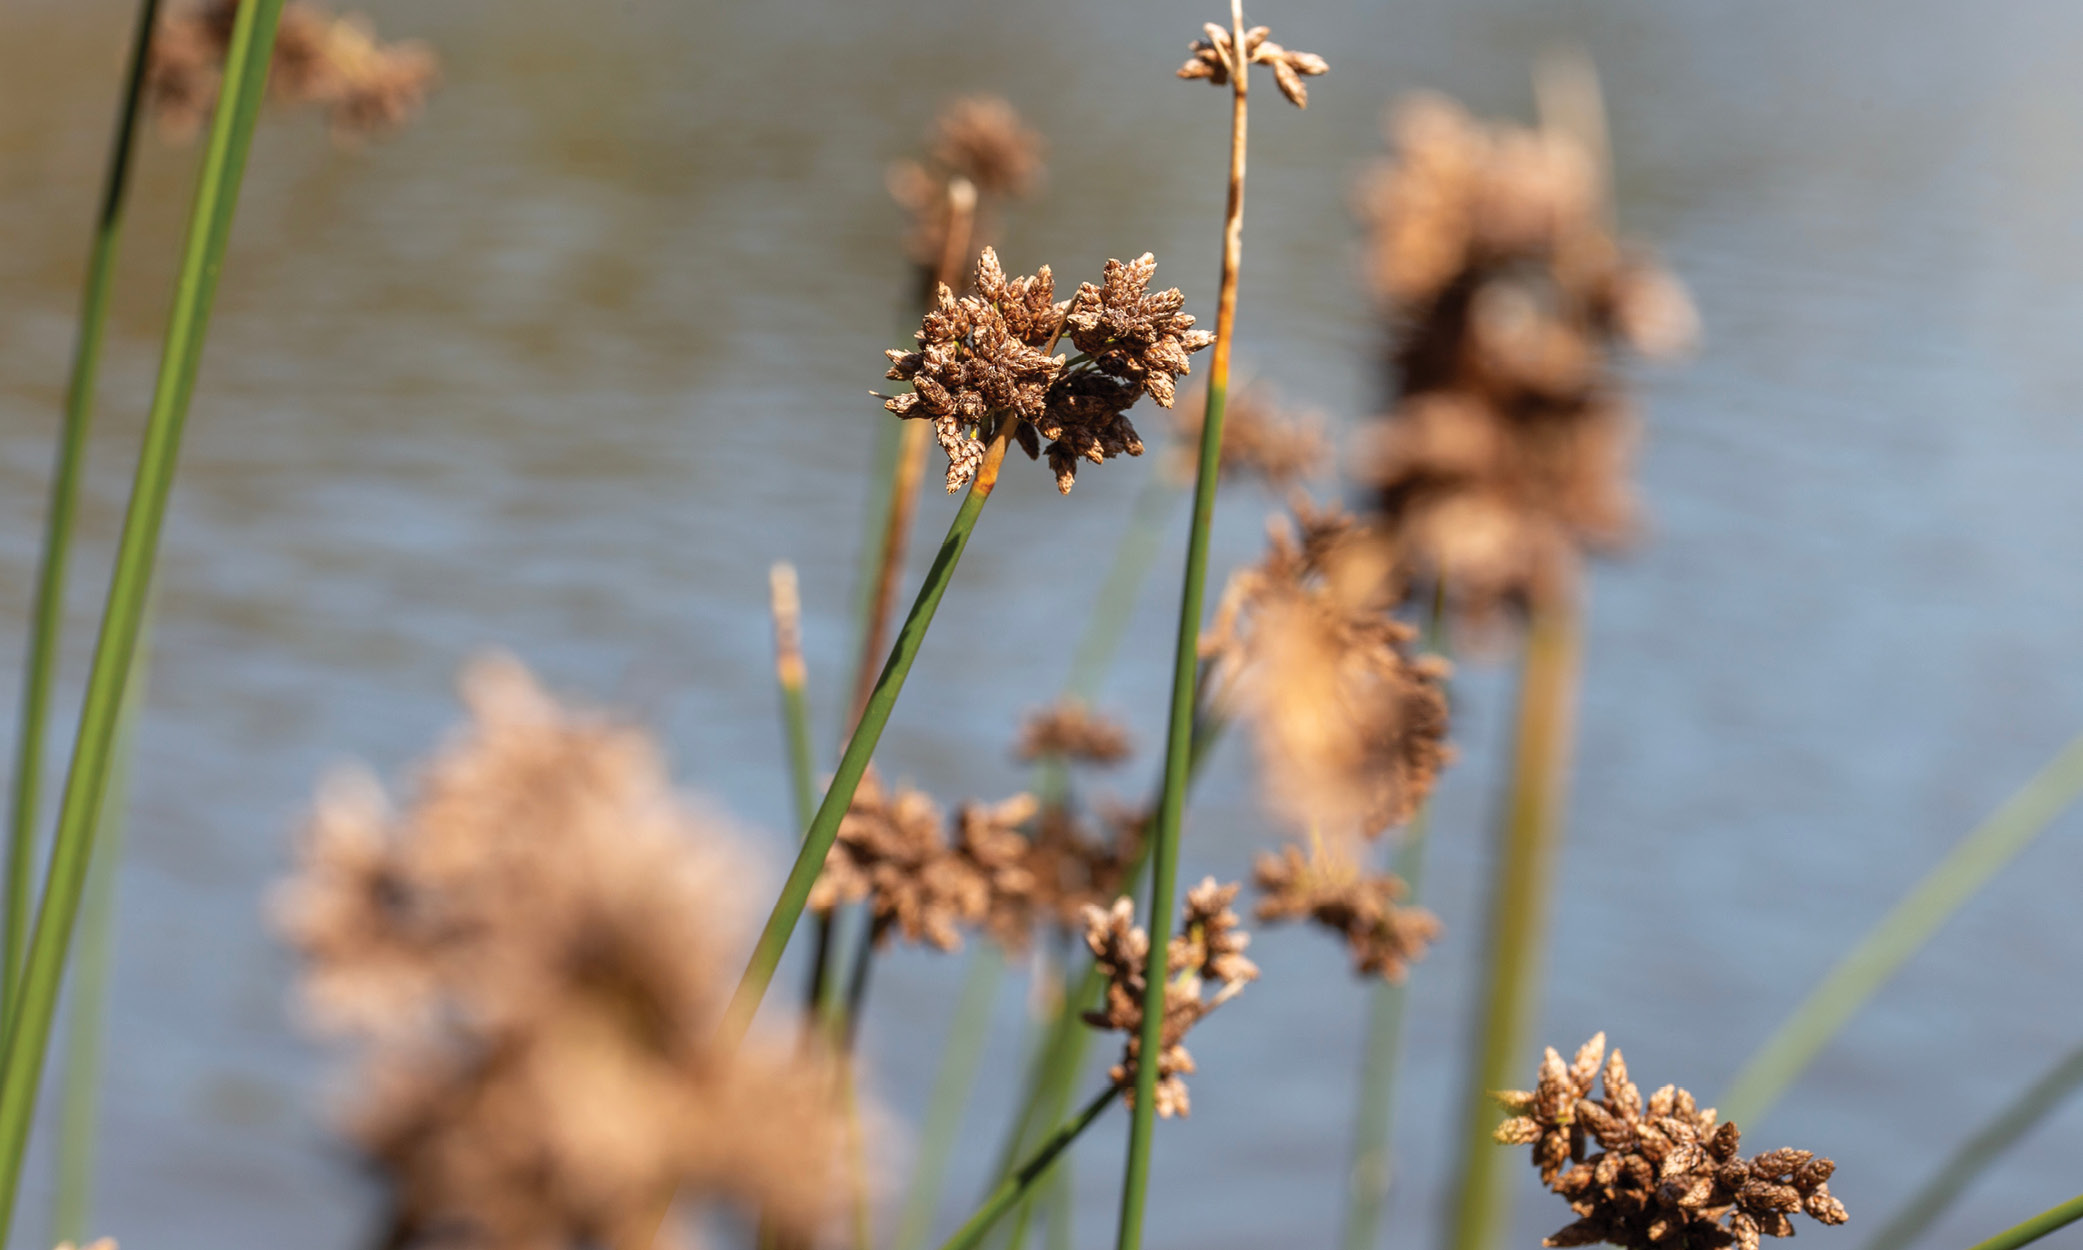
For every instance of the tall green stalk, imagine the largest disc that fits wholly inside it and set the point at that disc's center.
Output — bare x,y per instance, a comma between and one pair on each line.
48,620
209,232
1978,1153
2050,1220
1524,868
1023,1179
1901,933
824,827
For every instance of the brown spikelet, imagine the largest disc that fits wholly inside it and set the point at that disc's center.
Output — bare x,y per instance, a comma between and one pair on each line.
1069,730
1214,59
1327,886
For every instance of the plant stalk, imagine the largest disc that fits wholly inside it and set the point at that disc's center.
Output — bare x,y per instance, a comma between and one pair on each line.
1901,933
1185,664
1023,1178
47,622
875,714
2038,1226
1525,869
209,233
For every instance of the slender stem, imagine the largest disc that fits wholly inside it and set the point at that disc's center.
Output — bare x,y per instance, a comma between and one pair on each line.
1901,933
2035,1228
1980,1152
1023,1178
792,675
1524,868
1179,730
773,939
958,1068
209,232
48,618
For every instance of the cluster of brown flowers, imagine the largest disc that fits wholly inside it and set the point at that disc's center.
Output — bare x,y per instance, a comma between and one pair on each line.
927,879
335,63
1205,967
1664,1174
1505,455
1260,438
1070,731
1215,59
1328,886
1350,726
532,960
983,359
979,153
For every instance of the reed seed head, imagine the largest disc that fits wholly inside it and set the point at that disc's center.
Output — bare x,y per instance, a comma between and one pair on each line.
1214,58
1658,1173
1328,886
1070,731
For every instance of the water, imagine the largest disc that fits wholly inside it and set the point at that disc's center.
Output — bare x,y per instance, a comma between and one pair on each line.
565,366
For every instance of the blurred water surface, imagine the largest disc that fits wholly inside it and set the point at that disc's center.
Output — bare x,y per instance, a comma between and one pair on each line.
566,365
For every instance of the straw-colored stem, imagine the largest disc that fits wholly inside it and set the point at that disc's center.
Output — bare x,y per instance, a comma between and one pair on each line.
1901,933
2050,1220
1031,1171
1978,1153
1135,1176
1524,868
824,827
959,1061
47,620
209,232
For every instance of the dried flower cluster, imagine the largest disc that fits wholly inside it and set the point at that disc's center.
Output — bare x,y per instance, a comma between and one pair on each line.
1070,731
926,879
980,142
335,63
983,359
1260,438
532,960
1205,967
1329,887
1350,726
1664,1174
1505,456
1215,59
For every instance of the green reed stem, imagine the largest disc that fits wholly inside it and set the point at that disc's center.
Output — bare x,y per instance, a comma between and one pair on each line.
86,1027
959,1062
47,622
781,923
1524,870
209,233
1979,1152
1021,1182
2035,1228
1901,933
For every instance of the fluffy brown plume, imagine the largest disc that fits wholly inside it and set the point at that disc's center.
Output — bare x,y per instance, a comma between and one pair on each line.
1329,887
1350,727
1214,58
1068,730
333,63
1260,438
980,154
1505,455
532,959
1658,1174
983,359
1205,967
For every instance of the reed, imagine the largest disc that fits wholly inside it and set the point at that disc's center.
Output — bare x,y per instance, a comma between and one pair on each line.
2053,1219
1020,1183
209,233
47,619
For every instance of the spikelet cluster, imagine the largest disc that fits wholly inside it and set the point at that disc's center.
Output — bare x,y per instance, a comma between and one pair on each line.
1205,967
1071,732
1327,886
531,961
333,63
1657,1173
979,155
1214,58
1505,454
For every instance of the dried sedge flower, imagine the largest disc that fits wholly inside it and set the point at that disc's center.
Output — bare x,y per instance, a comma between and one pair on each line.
1260,437
1214,58
335,63
1350,726
982,138
1210,948
980,152
984,359
1505,455
1069,730
1664,1174
1330,888
532,959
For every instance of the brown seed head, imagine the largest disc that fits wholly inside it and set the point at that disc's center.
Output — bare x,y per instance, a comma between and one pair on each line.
1328,886
1260,438
1214,58
1070,731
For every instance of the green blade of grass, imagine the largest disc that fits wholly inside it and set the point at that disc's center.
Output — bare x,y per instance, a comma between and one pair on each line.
47,620
209,232
2050,1220
1901,933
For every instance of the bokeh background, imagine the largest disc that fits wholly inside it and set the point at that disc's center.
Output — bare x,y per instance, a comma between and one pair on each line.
564,366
